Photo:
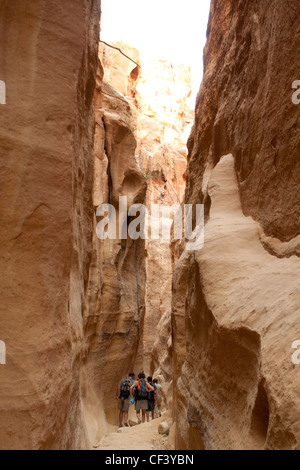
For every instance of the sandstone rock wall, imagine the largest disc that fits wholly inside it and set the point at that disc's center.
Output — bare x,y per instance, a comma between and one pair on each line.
114,314
165,169
163,122
157,95
121,69
245,107
236,303
49,64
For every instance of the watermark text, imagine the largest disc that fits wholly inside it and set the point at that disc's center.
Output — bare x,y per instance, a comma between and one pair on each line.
2,353
160,223
296,354
2,92
296,94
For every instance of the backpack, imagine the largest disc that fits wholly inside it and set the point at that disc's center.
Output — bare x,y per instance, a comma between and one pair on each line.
142,392
125,388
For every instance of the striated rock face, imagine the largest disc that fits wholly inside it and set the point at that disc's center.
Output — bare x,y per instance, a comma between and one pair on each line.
236,303
166,181
165,172
245,107
120,63
49,66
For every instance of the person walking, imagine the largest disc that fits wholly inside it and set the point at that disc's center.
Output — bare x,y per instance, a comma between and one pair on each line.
160,395
123,397
151,401
140,391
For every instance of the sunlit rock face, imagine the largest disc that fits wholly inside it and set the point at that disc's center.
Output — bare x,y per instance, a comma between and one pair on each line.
156,89
157,94
49,63
163,123
236,303
121,72
164,89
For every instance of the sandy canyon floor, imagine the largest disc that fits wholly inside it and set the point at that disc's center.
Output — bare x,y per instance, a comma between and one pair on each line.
141,437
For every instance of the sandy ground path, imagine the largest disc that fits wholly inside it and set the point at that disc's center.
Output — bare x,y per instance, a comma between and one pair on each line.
141,437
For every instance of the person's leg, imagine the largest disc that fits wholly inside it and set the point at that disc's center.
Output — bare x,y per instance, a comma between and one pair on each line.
126,405
138,412
143,416
121,419
148,416
153,414
151,408
120,408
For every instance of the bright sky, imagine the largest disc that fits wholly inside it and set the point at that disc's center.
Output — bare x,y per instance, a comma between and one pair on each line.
172,30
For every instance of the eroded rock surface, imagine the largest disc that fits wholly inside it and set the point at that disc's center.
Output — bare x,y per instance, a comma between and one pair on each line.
236,303
48,61
163,122
245,108
156,93
240,322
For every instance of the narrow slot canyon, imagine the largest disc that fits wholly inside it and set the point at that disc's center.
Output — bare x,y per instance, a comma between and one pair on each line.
142,232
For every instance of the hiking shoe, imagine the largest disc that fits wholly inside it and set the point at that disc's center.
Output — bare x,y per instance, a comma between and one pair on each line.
126,425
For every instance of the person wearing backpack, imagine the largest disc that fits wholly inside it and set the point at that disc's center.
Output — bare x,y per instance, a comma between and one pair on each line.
151,400
140,390
123,397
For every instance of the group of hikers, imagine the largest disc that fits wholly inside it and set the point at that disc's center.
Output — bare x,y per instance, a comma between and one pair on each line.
146,394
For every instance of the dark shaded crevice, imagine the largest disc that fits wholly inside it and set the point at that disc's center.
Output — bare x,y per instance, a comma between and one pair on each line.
260,419
108,172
